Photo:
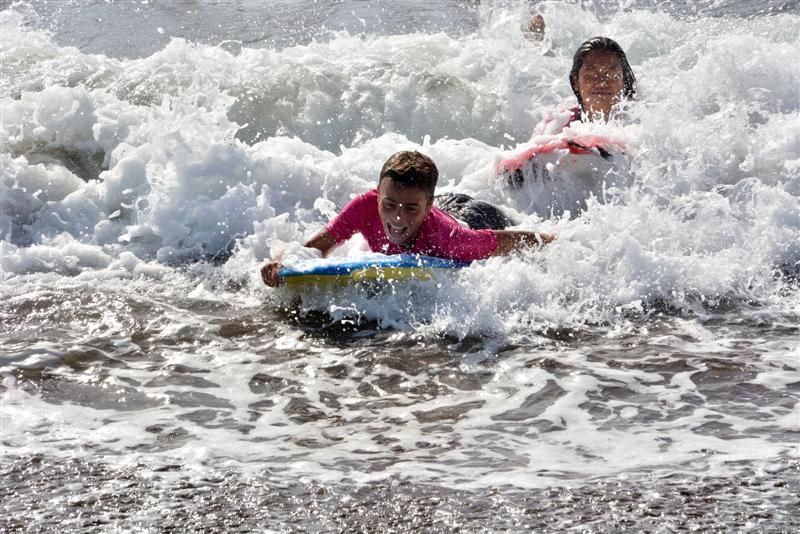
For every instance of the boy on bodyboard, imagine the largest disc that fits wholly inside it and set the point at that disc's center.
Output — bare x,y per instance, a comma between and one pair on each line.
399,218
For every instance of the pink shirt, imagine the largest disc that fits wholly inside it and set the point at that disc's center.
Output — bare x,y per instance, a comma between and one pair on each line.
440,235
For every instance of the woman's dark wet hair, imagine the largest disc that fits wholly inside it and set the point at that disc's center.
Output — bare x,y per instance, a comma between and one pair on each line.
603,44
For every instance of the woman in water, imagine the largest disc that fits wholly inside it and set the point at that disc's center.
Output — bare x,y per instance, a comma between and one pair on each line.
601,78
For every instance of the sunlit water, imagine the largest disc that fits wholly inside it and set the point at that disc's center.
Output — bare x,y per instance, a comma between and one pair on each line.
642,373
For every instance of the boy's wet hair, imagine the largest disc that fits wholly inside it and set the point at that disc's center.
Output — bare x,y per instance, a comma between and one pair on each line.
603,44
411,169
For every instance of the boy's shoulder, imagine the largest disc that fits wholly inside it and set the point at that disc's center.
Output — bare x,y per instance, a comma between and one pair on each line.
371,195
362,201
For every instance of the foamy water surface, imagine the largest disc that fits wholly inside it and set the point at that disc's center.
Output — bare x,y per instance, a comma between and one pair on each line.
642,372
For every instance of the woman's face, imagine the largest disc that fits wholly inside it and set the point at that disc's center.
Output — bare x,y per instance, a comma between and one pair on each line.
600,82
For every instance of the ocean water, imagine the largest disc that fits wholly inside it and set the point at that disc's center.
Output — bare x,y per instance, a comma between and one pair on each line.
640,374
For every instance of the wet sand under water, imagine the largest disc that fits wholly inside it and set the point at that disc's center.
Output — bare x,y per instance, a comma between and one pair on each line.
81,496
91,483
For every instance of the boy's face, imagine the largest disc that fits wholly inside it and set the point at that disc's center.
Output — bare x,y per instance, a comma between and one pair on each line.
402,210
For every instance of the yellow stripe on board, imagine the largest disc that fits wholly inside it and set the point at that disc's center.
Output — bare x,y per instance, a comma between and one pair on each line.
361,275
392,273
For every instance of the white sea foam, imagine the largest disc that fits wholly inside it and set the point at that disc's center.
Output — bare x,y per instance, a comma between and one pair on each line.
138,194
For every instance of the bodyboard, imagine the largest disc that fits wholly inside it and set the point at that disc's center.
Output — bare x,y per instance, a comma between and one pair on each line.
374,267
554,174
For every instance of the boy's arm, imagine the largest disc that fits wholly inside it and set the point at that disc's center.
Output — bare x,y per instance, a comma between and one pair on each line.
322,241
512,240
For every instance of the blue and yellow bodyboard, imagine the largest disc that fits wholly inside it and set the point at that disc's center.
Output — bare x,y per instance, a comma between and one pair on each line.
375,267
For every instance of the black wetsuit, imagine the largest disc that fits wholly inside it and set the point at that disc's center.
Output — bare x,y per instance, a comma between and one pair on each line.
477,214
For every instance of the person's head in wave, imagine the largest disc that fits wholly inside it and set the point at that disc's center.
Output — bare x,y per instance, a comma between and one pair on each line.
601,77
